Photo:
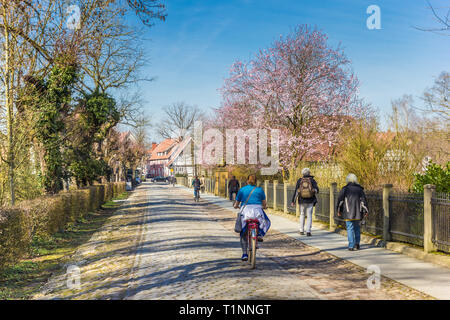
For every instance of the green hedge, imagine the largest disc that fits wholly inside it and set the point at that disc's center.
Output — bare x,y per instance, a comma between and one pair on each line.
46,215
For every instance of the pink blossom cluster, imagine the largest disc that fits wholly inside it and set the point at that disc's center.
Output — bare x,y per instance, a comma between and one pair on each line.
299,85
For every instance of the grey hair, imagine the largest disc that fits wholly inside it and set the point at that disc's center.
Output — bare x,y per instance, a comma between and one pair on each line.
306,172
351,178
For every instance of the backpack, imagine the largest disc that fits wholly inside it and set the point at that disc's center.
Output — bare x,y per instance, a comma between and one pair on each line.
196,183
305,189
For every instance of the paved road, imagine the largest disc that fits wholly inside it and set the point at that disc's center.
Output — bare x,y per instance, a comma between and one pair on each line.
163,245
188,254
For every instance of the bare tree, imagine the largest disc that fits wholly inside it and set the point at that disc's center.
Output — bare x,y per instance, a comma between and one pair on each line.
442,19
178,121
148,10
23,28
35,32
437,98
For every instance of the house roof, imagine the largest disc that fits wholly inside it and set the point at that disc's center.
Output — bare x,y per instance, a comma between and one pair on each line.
163,147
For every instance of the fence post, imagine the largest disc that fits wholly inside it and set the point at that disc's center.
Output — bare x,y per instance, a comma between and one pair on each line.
386,224
333,188
428,245
275,184
226,189
285,199
266,185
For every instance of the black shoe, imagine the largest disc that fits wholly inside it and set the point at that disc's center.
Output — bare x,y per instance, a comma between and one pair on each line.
260,239
351,249
308,234
301,233
357,247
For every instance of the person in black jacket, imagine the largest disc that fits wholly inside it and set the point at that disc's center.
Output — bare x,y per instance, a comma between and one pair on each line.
352,207
306,203
233,187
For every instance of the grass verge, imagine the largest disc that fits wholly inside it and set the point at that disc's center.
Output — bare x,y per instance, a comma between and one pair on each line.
48,255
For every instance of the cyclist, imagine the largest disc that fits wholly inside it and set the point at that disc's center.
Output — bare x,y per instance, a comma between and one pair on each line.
254,203
196,184
174,180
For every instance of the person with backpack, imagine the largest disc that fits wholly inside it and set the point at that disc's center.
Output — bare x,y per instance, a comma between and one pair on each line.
352,208
233,188
305,193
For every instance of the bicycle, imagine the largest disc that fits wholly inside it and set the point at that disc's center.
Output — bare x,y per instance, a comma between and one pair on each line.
196,195
252,240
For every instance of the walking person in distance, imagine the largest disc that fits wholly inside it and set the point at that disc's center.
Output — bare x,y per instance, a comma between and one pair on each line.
305,193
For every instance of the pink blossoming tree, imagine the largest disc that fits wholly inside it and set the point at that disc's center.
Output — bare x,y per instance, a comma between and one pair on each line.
299,85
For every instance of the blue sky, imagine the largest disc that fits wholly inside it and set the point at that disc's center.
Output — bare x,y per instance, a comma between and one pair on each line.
191,53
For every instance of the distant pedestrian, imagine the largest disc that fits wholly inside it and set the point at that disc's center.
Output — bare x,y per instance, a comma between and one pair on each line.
352,208
202,187
305,193
233,188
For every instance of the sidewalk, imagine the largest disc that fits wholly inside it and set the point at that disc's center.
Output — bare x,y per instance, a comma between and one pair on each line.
423,276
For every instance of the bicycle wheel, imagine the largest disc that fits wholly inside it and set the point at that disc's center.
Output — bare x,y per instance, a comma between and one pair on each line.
249,248
253,253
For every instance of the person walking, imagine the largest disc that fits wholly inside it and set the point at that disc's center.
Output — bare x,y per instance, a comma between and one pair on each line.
202,186
305,193
352,208
233,188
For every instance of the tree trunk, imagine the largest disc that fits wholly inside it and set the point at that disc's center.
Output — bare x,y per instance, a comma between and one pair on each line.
9,109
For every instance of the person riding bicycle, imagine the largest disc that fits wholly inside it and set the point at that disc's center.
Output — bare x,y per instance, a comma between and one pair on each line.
254,203
196,184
